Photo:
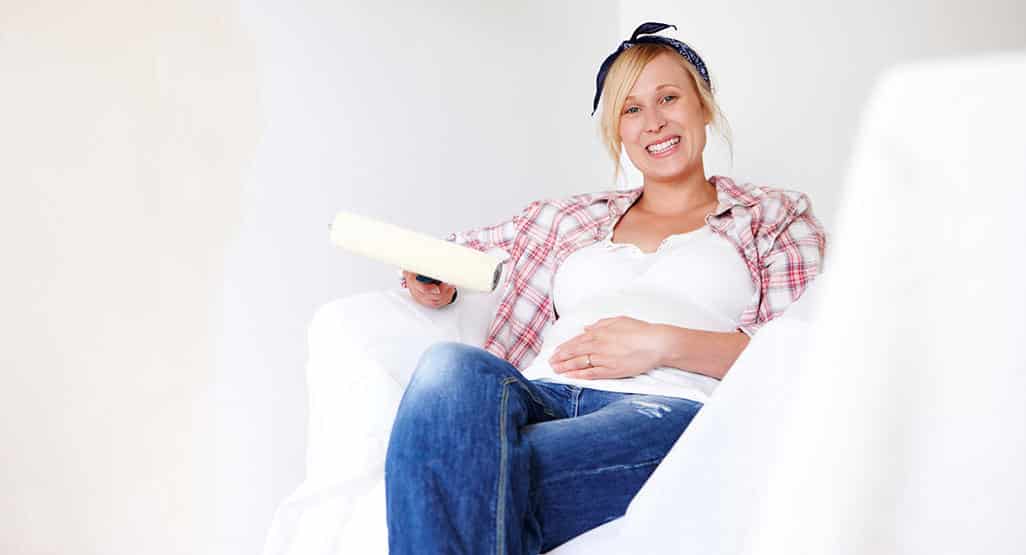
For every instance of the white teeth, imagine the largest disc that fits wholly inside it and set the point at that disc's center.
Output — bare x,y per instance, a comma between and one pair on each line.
663,146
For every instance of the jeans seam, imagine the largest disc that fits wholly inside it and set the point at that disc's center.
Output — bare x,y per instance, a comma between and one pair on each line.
530,393
500,504
500,508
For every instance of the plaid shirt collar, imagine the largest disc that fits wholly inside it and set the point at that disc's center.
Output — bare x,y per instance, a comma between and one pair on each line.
728,196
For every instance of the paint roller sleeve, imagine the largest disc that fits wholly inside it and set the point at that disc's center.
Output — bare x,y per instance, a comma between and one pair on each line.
417,252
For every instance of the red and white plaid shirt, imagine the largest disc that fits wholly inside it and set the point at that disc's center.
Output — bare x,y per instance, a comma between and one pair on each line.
773,230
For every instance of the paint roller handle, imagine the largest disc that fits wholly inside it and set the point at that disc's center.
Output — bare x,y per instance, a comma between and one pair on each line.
429,292
430,281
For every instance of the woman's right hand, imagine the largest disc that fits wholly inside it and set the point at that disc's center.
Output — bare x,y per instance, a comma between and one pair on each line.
427,294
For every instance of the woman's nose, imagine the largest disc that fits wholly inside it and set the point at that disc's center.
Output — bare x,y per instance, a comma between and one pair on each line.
655,123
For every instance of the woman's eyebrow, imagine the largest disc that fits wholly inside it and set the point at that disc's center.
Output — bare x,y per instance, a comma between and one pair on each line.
663,86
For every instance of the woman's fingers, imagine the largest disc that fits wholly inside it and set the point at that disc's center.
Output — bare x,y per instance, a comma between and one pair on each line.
576,363
432,295
416,285
580,344
592,373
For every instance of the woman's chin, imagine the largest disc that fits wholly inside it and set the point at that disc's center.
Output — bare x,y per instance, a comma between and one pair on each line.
666,171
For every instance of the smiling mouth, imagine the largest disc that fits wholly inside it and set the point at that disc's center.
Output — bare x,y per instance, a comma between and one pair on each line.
663,147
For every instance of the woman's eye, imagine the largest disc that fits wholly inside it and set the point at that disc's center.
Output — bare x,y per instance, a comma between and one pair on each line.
634,109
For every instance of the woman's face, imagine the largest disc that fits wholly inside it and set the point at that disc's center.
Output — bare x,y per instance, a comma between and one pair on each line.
662,125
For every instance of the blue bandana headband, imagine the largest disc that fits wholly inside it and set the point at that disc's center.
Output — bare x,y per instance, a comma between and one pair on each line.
648,29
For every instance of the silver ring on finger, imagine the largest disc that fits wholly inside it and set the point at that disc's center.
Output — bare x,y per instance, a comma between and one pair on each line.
589,360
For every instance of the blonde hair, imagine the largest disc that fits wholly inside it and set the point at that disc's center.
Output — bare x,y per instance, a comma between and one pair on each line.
622,76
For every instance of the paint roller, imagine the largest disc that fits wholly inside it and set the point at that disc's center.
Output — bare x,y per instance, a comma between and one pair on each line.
416,252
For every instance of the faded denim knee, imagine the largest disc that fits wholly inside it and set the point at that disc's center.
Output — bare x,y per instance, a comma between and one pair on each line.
447,366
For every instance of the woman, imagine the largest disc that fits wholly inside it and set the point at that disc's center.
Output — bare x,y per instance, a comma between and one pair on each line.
621,312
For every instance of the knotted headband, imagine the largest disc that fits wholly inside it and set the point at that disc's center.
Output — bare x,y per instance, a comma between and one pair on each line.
648,29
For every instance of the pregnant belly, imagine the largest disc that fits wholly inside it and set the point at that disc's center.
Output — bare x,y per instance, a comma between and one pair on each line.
652,307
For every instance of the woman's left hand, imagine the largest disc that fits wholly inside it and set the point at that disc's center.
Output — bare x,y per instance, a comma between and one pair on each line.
618,347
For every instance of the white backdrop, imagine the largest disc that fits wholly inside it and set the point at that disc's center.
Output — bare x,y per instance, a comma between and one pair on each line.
168,173
439,118
794,75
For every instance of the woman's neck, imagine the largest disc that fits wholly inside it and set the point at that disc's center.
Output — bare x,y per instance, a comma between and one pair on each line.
681,195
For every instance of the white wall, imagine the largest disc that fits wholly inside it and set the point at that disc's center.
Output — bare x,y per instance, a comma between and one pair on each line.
168,171
438,116
127,132
793,75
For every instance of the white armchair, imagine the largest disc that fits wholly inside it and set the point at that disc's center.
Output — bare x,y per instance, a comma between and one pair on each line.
363,349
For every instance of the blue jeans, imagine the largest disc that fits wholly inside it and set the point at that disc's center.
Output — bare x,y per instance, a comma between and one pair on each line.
483,461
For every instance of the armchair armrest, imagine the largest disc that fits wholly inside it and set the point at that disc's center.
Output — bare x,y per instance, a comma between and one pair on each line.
362,350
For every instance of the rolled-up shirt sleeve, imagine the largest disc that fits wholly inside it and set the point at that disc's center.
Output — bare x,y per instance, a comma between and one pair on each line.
793,261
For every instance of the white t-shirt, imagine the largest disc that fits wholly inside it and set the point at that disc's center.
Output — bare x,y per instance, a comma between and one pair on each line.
694,280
